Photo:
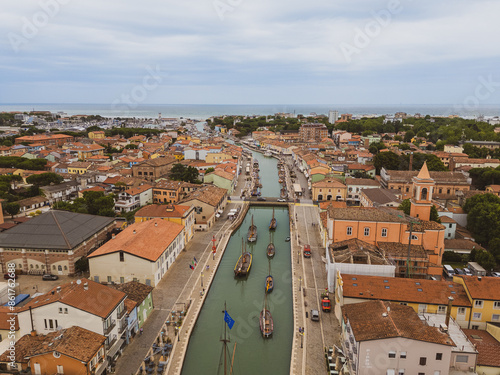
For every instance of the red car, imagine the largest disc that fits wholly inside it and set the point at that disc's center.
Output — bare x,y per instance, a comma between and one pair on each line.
307,251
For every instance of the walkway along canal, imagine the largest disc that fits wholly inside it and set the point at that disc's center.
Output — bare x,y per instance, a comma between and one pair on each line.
245,298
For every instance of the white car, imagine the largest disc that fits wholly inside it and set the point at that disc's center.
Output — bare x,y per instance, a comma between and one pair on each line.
495,274
281,200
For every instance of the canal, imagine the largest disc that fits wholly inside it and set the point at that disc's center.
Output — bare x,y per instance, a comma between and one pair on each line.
245,297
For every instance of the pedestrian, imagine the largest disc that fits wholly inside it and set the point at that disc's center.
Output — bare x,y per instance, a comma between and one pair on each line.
141,331
208,267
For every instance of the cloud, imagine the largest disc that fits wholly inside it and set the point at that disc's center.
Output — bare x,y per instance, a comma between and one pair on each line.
271,45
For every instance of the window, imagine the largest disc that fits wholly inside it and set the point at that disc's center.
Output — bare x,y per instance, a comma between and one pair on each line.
423,361
437,372
461,310
402,355
476,316
122,258
462,358
65,310
384,232
122,280
478,304
496,305
60,310
391,371
349,231
392,354
495,317
401,371
439,356
413,237
403,304
441,309
367,231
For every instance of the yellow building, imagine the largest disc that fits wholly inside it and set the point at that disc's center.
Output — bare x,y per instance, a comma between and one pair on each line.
97,135
484,296
423,295
79,167
217,157
329,189
175,213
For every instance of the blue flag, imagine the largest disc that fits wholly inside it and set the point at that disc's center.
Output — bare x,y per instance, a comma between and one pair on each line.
194,258
228,320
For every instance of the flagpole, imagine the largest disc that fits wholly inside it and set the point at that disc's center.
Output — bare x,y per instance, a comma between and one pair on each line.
225,340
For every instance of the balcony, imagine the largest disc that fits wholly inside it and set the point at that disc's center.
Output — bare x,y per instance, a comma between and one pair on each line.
122,327
110,327
111,343
120,314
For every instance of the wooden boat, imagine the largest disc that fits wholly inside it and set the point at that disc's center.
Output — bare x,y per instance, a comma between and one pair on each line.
252,232
283,193
271,250
269,281
266,320
242,267
273,223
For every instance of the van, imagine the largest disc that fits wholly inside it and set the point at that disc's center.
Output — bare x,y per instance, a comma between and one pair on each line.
448,270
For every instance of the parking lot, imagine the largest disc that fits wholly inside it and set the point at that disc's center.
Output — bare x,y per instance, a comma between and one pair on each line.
31,284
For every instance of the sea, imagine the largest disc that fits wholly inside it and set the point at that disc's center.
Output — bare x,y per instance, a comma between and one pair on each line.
202,112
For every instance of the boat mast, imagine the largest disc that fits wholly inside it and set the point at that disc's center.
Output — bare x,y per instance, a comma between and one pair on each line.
225,340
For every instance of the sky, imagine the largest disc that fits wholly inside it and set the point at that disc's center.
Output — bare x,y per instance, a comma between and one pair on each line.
250,52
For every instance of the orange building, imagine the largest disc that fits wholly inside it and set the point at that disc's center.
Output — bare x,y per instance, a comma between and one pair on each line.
385,225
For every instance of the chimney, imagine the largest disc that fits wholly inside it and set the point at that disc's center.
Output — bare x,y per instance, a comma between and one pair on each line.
33,333
86,286
134,231
448,311
156,223
479,278
113,236
58,289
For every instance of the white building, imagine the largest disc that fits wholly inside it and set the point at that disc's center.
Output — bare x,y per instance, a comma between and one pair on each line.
134,198
82,303
333,116
142,252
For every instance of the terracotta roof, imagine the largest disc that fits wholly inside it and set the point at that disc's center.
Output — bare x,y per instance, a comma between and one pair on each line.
404,290
461,244
424,172
401,250
441,177
211,195
356,251
138,189
381,196
361,181
487,288
368,323
156,162
147,240
334,204
168,184
134,290
446,219
5,312
364,214
487,346
162,210
98,299
329,183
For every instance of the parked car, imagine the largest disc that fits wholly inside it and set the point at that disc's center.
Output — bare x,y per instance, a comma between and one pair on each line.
7,276
458,271
495,274
467,271
315,315
50,277
261,199
281,200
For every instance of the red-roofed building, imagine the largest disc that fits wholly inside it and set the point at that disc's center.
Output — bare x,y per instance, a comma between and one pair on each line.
134,198
142,252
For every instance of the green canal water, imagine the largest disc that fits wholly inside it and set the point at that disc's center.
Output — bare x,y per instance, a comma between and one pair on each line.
245,298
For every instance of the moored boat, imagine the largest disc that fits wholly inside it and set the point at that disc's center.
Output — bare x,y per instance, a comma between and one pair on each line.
269,281
273,223
242,267
266,320
252,232
271,250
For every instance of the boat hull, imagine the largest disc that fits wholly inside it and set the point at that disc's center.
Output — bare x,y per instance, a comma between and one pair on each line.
271,250
269,284
266,323
242,267
273,224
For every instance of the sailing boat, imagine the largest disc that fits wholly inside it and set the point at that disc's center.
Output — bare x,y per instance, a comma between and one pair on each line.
273,223
225,340
252,232
244,262
269,281
266,320
270,248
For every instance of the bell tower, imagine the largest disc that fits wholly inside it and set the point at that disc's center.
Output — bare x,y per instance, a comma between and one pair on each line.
423,187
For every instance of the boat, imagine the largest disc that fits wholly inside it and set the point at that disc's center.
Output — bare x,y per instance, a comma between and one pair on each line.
244,262
273,223
283,193
269,281
252,232
266,320
225,340
271,250
287,239
268,154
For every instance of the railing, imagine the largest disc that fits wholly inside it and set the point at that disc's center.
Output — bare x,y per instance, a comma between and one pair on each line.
111,326
111,343
120,314
121,328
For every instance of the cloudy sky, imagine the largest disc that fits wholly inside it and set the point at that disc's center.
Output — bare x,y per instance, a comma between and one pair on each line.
250,51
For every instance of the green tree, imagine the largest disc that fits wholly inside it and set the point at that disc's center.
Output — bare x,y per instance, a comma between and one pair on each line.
434,214
180,172
388,160
131,147
12,208
483,217
405,206
209,170
408,136
82,265
485,259
44,179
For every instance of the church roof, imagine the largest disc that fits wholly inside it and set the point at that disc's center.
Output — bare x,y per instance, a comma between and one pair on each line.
424,173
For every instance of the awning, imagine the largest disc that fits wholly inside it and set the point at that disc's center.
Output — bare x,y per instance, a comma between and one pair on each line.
112,352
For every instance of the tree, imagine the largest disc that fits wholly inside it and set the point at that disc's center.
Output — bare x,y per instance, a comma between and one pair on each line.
388,160
82,265
434,215
485,259
180,172
409,136
482,209
405,206
44,179
12,208
209,170
131,147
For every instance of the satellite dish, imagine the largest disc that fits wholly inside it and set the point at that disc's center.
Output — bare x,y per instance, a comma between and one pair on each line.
78,281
